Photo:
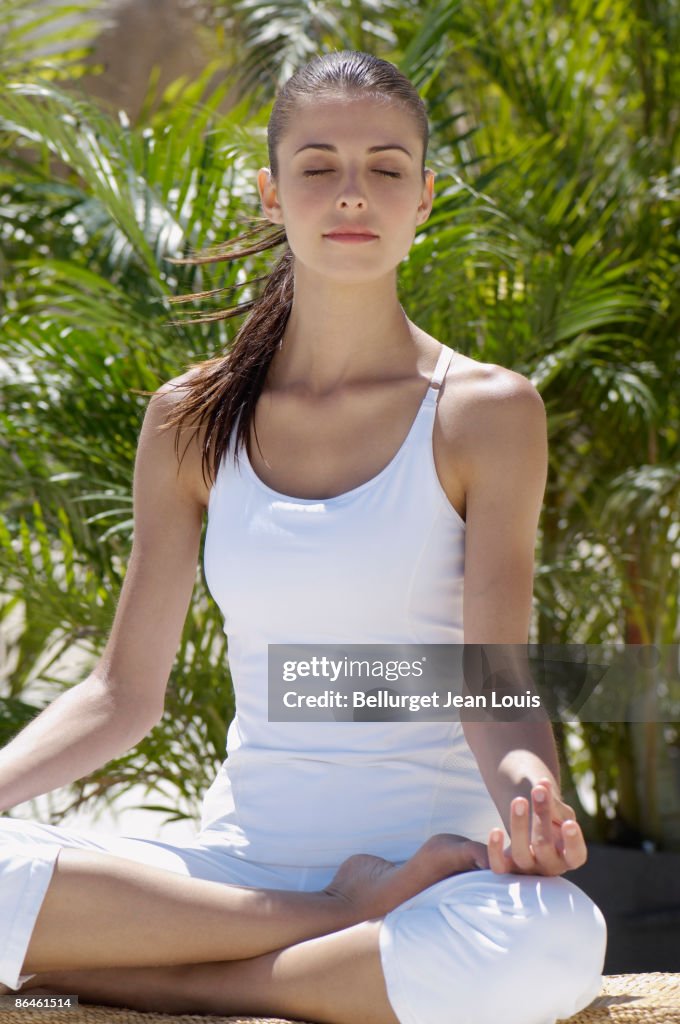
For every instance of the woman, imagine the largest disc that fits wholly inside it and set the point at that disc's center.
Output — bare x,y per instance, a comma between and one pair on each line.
350,464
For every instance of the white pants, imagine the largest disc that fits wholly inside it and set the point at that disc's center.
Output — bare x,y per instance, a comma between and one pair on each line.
476,948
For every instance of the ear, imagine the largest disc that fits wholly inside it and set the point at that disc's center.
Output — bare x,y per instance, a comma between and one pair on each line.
269,196
427,197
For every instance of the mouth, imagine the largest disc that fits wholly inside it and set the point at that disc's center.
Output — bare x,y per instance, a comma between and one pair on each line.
351,236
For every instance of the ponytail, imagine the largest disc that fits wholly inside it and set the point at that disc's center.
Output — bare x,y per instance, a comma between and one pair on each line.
223,391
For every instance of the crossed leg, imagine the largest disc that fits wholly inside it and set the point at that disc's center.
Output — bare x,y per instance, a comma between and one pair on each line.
184,944
334,979
187,944
529,948
101,910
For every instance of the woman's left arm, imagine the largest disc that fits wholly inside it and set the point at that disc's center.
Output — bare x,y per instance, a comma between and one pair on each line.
504,460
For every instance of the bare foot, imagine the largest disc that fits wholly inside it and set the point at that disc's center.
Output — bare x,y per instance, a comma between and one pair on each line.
374,886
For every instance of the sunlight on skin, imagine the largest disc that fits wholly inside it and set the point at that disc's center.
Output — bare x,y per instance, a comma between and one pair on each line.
549,844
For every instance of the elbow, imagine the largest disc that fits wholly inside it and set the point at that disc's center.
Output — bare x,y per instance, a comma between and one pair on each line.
139,719
131,712
132,725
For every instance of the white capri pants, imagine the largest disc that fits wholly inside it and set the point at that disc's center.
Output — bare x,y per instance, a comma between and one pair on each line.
477,948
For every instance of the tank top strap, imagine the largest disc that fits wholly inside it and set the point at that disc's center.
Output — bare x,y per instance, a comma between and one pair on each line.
445,357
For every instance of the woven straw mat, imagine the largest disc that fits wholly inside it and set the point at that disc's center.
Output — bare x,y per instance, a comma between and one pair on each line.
624,999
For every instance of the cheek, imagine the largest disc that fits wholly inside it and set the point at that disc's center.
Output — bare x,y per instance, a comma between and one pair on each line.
406,216
302,206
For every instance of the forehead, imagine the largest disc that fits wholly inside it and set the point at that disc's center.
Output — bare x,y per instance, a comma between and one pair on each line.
357,121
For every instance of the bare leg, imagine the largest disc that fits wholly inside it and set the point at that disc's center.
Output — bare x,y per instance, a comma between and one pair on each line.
335,979
101,910
106,911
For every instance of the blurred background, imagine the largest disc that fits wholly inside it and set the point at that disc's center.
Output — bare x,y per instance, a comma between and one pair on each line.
132,130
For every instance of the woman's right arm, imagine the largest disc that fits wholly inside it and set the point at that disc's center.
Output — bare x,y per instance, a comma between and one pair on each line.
122,699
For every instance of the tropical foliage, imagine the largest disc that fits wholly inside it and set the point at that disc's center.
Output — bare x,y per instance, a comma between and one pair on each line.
552,249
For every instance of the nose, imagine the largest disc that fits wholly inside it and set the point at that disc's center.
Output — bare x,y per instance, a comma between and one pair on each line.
351,195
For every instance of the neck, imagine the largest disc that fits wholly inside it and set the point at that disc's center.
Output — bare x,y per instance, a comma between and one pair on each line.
339,333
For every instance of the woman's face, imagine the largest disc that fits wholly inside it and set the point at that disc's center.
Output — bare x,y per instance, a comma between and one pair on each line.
348,162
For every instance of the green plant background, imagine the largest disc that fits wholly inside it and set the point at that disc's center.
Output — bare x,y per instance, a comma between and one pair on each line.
552,249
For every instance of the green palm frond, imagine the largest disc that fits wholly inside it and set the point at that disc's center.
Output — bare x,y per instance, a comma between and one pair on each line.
46,40
551,249
278,38
643,492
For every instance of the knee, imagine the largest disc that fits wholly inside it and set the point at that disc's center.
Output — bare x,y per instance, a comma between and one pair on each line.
11,829
522,949
560,956
18,831
568,918
23,842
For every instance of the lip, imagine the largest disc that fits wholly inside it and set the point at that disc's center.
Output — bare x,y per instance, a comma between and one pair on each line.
357,233
351,236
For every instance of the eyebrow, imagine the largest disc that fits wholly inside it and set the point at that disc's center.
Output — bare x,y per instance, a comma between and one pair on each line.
333,149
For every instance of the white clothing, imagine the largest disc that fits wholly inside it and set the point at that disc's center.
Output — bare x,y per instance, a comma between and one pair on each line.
476,948
382,563
482,948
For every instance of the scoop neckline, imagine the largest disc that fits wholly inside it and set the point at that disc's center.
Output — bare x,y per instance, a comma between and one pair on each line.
336,498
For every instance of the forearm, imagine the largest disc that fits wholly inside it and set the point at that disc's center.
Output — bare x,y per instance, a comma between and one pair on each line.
78,732
512,757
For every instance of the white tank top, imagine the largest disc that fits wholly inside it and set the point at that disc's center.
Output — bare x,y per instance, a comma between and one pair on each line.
382,564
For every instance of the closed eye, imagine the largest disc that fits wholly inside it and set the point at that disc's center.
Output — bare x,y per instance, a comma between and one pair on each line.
389,174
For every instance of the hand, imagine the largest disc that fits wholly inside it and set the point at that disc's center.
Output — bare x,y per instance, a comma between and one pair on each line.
373,886
550,844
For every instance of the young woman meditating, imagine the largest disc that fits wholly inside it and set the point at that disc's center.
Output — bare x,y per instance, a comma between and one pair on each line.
364,484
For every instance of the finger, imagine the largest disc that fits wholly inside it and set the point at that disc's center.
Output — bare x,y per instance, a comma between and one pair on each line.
547,784
498,859
555,806
575,851
520,847
543,818
547,855
560,810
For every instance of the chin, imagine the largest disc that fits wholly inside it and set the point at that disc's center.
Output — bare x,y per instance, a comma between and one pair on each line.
348,270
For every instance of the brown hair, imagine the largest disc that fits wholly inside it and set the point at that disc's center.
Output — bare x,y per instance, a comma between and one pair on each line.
226,388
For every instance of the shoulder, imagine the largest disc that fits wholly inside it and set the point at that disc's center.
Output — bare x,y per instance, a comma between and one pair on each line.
481,390
493,432
178,445
169,394
488,413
